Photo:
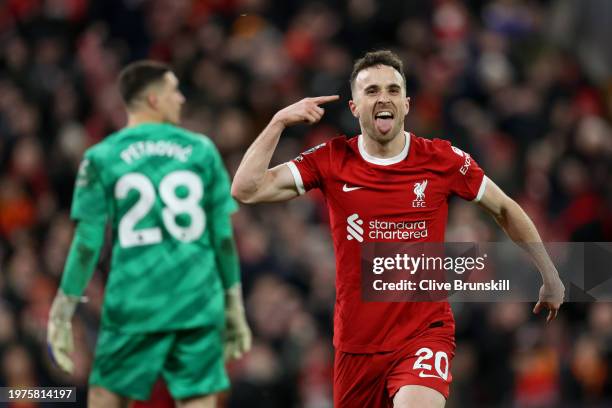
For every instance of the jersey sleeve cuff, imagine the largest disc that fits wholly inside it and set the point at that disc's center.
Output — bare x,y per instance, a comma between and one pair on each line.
297,177
481,190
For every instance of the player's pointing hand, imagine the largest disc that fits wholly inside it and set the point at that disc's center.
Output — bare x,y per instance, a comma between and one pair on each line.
319,100
305,111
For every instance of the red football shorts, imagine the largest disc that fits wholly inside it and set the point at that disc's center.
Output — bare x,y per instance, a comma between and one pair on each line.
372,380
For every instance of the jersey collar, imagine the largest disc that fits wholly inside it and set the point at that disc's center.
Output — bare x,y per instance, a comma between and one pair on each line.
387,161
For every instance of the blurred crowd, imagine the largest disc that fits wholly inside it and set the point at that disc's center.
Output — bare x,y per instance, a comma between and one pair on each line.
525,86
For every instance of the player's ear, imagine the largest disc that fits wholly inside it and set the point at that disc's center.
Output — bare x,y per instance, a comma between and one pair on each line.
152,100
353,108
407,104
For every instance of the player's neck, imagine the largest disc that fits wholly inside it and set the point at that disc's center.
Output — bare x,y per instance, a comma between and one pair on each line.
384,150
138,118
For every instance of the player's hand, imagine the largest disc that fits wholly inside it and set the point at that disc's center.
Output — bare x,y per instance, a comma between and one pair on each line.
59,331
305,111
551,298
237,337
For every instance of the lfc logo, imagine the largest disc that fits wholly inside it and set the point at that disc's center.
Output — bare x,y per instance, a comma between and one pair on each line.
419,192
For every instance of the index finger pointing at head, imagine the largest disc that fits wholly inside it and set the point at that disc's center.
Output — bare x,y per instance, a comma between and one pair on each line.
324,99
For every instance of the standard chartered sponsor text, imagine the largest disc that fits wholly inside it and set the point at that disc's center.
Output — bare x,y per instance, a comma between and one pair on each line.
402,230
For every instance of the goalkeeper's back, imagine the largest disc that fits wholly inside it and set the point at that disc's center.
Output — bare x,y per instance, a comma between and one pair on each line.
157,185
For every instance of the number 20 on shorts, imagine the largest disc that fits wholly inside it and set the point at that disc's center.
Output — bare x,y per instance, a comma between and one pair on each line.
440,363
129,236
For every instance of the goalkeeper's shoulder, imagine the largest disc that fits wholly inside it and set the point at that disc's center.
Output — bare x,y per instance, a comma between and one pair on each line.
102,148
199,139
203,146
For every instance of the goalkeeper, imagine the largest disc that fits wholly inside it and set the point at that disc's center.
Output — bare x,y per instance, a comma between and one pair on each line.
173,302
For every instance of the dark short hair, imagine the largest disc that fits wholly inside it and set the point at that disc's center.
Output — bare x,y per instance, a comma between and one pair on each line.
374,58
138,75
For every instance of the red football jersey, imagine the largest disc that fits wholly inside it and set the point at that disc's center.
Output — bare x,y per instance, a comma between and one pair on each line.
398,199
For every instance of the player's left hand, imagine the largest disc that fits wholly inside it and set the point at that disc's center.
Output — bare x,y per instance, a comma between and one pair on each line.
237,337
551,298
59,331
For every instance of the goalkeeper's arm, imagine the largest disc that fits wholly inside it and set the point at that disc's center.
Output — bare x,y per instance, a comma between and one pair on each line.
80,265
237,337
83,257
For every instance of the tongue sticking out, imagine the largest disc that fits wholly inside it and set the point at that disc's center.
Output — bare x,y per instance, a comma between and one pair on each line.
384,125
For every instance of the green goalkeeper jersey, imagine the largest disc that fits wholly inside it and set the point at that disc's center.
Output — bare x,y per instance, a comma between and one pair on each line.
158,186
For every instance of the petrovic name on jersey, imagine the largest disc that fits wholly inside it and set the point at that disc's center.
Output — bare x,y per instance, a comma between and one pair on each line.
144,148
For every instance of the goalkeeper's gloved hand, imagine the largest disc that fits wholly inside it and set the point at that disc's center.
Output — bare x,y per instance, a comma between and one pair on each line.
237,338
59,330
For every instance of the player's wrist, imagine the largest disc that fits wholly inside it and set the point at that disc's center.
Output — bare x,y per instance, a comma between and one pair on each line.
63,307
277,123
552,279
233,297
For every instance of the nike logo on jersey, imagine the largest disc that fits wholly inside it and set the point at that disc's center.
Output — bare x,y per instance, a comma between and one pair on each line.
423,375
346,188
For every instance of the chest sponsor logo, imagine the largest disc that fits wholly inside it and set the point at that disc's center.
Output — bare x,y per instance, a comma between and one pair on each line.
419,194
347,189
354,228
384,230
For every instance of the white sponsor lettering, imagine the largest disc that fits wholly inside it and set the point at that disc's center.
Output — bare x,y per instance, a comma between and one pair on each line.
385,230
468,160
466,165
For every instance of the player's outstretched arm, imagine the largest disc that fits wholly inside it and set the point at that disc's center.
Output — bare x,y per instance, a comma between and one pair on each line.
237,337
81,262
519,227
254,181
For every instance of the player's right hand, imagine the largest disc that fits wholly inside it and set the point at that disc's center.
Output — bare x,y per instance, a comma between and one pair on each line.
305,111
551,298
59,331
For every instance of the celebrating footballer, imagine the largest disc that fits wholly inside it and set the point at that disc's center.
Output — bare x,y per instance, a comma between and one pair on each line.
387,354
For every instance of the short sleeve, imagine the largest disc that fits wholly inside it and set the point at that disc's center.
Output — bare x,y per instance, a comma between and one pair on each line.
89,201
218,190
308,169
466,178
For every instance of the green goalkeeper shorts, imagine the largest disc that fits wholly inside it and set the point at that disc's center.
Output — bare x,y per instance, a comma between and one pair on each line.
190,362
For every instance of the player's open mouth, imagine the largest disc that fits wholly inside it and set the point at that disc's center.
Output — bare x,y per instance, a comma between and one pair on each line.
383,121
